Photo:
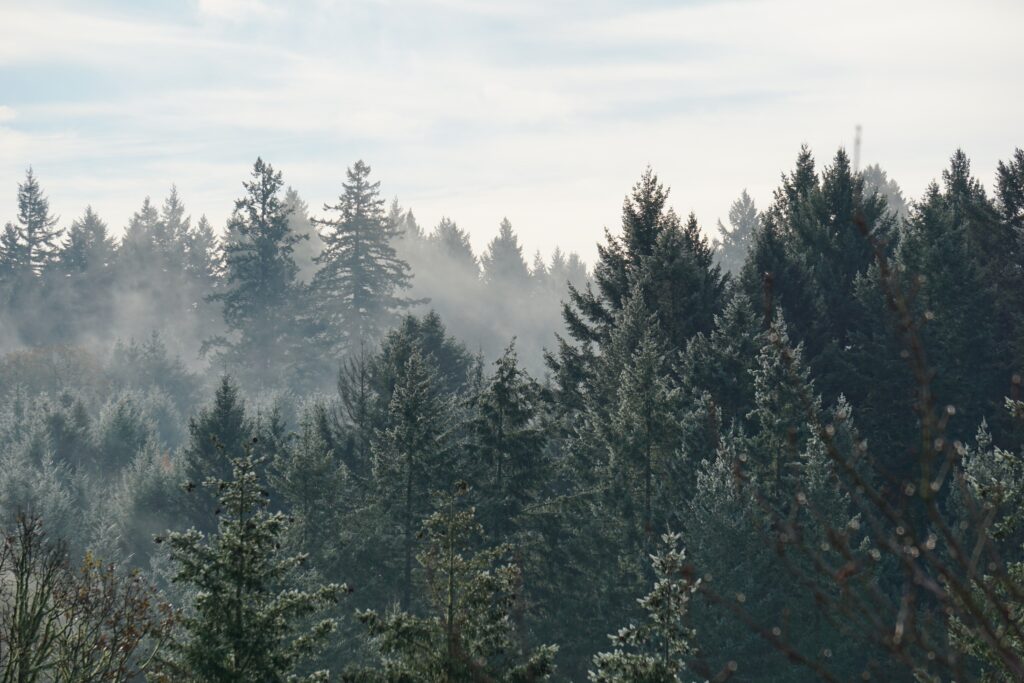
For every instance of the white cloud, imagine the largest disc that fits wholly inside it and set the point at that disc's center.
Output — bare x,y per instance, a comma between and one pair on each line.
239,10
543,112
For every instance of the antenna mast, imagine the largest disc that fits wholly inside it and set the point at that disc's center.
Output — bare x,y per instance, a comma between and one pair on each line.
856,150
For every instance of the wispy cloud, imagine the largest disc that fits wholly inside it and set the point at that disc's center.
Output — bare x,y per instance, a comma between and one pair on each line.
544,111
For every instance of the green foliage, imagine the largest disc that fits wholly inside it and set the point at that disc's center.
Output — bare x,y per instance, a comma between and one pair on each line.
260,290
469,630
656,650
356,289
247,621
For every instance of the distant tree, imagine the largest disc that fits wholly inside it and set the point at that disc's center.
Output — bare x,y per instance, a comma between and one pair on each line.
31,242
503,264
260,289
88,262
733,242
301,224
877,180
217,434
453,242
356,290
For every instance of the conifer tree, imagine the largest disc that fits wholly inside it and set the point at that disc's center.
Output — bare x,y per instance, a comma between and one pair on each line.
509,441
409,460
248,622
31,242
313,483
302,224
644,440
88,261
216,435
356,289
469,630
453,243
655,651
733,242
260,290
503,264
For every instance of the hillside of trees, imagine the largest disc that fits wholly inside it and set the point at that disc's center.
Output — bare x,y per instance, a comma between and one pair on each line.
333,444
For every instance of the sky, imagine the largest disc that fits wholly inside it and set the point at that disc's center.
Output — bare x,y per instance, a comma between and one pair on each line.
544,111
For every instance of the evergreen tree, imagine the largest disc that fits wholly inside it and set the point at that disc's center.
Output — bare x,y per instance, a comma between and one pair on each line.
409,460
655,651
469,631
260,289
877,181
733,242
301,224
643,441
313,484
88,262
31,242
721,363
503,264
509,441
216,435
356,288
248,622
453,243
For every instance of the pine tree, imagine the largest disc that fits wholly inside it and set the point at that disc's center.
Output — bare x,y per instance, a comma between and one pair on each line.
469,630
509,441
657,650
589,315
409,460
216,435
876,180
356,290
313,483
301,224
453,243
721,363
781,386
248,622
31,242
733,242
260,289
503,264
88,261
643,440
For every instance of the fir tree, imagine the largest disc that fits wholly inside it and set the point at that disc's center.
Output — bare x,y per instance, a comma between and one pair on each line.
356,289
503,264
509,442
409,461
248,622
469,631
733,242
453,243
31,242
216,435
657,650
260,289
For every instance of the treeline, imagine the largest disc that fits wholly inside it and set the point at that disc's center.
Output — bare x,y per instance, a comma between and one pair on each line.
807,468
319,286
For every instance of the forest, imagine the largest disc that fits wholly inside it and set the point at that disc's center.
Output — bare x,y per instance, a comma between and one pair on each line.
330,443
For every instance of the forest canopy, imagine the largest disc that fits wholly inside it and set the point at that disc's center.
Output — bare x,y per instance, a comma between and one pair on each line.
333,444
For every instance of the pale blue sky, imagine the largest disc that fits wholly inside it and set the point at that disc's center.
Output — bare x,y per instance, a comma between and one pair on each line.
544,111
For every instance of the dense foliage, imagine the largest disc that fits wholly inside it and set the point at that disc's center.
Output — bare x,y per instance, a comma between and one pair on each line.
341,446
